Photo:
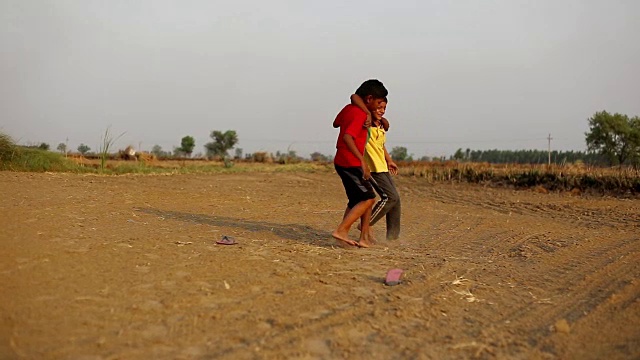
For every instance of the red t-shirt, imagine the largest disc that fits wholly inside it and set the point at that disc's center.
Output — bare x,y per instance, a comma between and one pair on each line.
351,120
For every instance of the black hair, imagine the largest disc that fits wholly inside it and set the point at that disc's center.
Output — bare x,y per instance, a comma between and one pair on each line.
373,88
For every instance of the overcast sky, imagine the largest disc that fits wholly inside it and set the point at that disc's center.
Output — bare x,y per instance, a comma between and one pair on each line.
477,74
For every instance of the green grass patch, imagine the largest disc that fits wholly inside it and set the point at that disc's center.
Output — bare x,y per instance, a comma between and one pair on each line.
37,160
7,149
18,158
120,168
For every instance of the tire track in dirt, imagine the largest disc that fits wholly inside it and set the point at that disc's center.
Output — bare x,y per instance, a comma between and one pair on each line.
472,236
477,244
590,217
544,246
611,276
619,315
533,317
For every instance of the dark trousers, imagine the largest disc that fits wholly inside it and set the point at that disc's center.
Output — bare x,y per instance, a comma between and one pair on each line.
388,205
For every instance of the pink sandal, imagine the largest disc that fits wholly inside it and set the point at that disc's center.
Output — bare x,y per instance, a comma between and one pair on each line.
393,277
226,240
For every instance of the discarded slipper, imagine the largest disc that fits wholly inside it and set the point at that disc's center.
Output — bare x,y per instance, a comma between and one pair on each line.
226,240
393,277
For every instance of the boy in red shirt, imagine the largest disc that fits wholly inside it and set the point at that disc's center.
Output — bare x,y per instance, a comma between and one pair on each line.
350,165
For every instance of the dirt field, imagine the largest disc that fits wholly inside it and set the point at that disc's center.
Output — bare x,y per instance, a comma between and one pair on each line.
96,267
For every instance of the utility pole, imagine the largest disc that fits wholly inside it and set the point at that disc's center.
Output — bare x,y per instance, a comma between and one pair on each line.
549,148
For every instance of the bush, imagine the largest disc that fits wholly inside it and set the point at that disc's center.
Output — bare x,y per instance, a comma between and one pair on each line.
17,158
262,157
7,148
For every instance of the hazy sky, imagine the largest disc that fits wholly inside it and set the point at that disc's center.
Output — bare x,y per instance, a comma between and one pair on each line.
477,74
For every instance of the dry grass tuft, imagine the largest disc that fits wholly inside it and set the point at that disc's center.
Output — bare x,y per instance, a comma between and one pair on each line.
619,181
467,295
460,281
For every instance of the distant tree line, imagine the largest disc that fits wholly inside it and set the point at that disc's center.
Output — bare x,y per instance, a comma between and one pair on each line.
612,139
218,148
528,156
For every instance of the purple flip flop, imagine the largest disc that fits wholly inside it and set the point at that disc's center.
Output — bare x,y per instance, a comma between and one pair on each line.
226,240
393,277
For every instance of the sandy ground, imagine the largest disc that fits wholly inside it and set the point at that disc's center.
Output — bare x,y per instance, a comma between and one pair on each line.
96,267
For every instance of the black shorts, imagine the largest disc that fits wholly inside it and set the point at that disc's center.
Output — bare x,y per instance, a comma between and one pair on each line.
355,186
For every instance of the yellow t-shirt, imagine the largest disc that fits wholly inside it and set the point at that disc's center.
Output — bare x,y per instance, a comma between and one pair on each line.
374,150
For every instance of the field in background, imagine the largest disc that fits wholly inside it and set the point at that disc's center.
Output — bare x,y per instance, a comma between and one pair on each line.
576,178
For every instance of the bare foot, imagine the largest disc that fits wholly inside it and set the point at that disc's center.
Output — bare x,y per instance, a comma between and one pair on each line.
365,243
343,239
366,240
372,239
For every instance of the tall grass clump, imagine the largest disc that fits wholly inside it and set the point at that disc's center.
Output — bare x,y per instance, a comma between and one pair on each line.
17,158
107,143
7,148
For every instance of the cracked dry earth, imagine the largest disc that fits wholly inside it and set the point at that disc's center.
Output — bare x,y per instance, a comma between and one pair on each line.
126,267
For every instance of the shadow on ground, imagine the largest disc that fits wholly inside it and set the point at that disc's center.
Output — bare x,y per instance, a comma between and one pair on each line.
302,233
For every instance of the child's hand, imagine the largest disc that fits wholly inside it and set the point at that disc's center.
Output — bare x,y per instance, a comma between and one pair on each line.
393,168
367,123
366,172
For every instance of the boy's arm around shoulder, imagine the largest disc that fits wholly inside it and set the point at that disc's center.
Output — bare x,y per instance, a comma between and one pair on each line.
357,101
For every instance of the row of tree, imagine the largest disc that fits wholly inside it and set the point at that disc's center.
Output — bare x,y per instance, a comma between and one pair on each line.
219,147
528,156
612,139
62,147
